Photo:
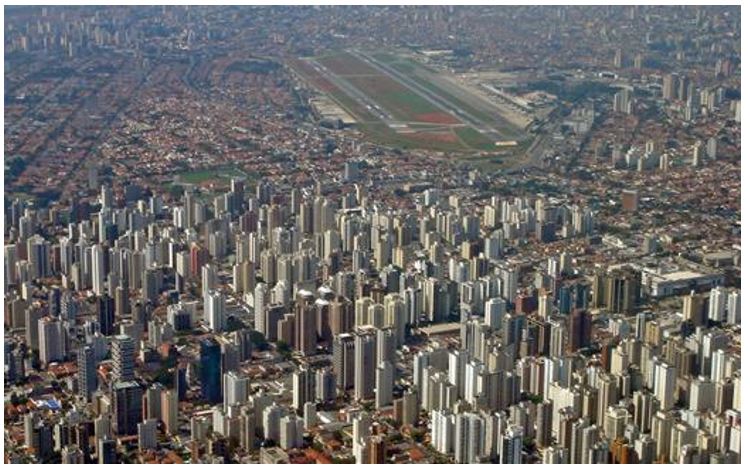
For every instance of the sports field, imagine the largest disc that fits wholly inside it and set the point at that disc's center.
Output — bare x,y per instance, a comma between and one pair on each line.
221,174
400,103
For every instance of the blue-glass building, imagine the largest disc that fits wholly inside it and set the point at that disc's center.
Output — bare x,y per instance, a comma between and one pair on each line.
210,370
565,300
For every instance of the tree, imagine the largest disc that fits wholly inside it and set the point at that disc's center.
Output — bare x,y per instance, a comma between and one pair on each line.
15,167
176,191
165,377
16,400
284,349
257,338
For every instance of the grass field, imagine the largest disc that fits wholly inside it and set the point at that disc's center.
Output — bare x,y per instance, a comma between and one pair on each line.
402,102
392,110
425,77
381,133
323,85
221,174
473,138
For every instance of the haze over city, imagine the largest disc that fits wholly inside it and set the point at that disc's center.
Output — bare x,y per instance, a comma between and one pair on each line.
372,234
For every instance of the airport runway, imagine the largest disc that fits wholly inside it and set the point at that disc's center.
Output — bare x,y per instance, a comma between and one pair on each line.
365,101
430,96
